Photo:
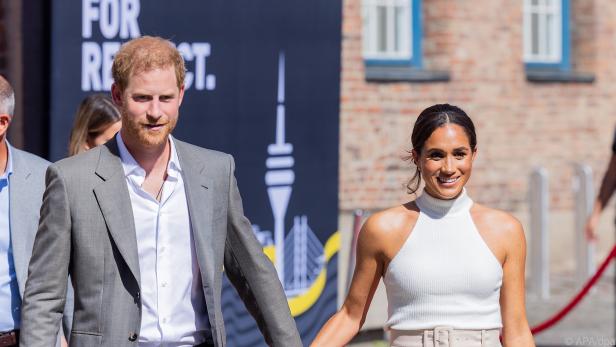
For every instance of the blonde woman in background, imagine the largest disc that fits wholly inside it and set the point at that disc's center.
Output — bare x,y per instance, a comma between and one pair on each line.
96,122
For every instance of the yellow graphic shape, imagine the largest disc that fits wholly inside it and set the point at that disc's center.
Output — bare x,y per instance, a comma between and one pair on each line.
270,252
301,303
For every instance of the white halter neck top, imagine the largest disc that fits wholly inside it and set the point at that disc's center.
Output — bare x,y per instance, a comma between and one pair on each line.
444,274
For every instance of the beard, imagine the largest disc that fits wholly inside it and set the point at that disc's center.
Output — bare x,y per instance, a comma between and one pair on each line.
145,136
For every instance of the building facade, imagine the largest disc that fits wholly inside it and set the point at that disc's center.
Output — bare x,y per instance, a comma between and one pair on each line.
536,77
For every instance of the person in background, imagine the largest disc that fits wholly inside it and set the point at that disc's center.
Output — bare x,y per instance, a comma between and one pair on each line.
453,269
608,186
96,122
22,182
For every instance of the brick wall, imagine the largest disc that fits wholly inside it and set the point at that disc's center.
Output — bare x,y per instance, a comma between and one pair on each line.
520,124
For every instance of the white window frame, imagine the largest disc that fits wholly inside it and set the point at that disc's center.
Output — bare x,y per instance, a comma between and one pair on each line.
550,34
370,30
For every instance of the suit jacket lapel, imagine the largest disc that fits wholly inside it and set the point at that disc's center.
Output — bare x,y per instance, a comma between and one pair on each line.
197,185
21,222
114,202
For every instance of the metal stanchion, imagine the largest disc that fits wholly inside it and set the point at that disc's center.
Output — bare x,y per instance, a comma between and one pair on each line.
540,247
584,197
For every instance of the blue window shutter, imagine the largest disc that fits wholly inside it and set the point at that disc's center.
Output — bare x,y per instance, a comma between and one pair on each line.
565,63
417,34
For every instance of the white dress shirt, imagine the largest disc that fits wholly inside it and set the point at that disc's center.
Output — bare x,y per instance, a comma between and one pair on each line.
173,306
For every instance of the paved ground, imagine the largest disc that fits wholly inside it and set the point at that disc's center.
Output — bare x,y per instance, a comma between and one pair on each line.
591,323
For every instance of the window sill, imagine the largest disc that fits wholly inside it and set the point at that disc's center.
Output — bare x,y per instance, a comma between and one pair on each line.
404,74
558,76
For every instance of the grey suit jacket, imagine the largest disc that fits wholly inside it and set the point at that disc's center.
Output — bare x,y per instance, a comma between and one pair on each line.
27,184
87,230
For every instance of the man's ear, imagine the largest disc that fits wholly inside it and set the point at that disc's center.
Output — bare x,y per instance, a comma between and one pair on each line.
181,95
116,95
5,121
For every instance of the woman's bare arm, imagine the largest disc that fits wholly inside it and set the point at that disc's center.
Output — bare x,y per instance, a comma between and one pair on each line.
516,332
345,324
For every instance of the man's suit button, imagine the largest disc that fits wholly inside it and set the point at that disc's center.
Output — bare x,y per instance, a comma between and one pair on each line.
132,337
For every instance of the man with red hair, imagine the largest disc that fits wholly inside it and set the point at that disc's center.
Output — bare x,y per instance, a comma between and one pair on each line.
145,225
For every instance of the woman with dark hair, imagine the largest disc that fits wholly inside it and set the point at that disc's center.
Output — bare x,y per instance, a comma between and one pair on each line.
96,122
453,269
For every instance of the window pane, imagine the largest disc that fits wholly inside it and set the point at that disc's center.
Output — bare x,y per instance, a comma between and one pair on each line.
534,33
549,35
391,29
396,31
386,29
542,31
382,28
366,42
400,28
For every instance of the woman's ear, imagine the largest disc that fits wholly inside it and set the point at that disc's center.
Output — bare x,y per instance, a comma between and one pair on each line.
415,156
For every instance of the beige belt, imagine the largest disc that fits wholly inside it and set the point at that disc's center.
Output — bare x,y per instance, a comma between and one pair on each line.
445,337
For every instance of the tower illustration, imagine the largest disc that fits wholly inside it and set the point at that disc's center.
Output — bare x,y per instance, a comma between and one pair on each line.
298,253
303,257
279,176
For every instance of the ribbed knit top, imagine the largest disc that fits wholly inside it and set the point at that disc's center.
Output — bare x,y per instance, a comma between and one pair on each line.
444,274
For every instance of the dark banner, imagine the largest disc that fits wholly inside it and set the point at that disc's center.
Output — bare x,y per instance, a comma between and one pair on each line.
262,84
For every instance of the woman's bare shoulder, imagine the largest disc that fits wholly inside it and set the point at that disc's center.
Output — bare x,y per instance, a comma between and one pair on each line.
390,226
497,221
392,219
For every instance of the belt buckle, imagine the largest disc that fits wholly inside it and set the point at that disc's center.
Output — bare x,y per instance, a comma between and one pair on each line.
443,336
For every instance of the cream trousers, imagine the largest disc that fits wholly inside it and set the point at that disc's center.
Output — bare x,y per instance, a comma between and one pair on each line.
445,337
